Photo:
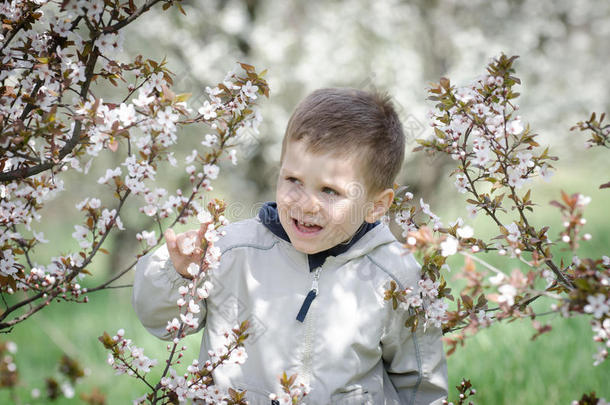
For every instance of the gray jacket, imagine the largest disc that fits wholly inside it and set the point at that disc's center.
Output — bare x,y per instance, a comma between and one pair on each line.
352,348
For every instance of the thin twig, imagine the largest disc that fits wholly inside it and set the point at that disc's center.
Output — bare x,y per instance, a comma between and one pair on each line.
131,18
483,262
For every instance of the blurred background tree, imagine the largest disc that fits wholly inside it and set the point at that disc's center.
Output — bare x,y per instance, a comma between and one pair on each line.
395,46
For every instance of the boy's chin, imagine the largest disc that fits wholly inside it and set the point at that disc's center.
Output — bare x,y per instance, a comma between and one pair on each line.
308,250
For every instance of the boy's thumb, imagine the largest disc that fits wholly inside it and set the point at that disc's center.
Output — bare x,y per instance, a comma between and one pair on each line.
170,238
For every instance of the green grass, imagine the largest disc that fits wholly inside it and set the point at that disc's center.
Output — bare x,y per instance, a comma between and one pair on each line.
506,367
502,363
73,329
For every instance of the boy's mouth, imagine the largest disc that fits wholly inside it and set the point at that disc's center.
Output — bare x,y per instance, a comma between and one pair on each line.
306,228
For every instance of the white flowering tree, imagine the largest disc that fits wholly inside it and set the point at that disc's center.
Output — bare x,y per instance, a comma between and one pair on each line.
497,155
56,57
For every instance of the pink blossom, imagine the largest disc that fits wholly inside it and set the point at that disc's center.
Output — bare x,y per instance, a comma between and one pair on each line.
173,325
211,171
461,183
157,81
239,355
208,110
189,320
472,210
429,287
249,90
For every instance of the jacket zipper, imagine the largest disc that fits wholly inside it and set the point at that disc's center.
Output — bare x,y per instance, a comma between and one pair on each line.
308,344
311,295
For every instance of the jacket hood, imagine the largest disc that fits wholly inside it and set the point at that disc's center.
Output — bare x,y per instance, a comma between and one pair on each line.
368,237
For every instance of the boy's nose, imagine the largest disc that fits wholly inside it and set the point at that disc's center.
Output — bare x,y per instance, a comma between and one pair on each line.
309,203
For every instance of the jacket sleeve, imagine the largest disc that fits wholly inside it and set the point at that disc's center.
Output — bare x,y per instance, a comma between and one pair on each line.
155,293
414,362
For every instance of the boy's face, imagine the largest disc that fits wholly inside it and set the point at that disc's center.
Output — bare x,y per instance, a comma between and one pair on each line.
322,199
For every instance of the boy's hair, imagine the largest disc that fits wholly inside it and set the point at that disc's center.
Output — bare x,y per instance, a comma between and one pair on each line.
351,122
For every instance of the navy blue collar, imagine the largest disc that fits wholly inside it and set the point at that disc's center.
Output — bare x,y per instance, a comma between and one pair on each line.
269,217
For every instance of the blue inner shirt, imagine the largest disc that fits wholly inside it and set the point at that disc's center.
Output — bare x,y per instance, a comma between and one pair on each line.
269,217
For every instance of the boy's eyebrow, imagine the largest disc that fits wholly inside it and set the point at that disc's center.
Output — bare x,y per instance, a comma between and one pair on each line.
285,172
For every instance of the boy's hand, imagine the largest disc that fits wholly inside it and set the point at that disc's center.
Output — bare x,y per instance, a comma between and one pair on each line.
184,249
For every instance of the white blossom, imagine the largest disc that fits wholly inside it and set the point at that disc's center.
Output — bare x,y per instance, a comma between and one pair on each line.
148,237
211,171
507,294
449,246
465,232
597,305
513,232
204,291
193,269
210,140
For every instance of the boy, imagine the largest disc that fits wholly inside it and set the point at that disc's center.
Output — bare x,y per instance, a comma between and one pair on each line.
310,270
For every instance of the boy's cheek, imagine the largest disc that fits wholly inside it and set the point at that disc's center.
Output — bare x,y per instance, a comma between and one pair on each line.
349,215
338,234
286,195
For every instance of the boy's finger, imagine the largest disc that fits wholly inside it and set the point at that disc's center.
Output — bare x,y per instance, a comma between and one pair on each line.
170,238
201,234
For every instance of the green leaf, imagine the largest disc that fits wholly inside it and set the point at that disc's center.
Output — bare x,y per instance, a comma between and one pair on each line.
183,97
582,284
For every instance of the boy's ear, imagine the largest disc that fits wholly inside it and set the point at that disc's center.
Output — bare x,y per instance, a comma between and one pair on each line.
380,205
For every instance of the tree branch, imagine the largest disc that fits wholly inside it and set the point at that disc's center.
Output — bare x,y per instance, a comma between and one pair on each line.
69,146
131,18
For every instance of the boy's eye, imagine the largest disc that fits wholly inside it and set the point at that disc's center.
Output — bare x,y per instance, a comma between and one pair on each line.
329,191
293,180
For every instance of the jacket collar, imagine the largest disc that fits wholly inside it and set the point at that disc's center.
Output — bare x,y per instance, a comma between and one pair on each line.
269,217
